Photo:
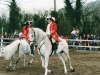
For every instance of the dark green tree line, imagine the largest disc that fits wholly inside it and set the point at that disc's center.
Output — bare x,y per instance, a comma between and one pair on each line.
14,17
86,19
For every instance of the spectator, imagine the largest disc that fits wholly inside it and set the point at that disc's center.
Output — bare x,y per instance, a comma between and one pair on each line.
77,31
73,31
12,35
84,37
99,42
0,37
66,38
77,41
73,36
16,34
89,42
20,33
94,43
5,37
80,43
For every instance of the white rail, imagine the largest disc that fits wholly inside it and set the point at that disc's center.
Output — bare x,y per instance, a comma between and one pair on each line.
71,40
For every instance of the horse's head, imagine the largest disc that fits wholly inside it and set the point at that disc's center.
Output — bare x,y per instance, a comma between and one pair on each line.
31,35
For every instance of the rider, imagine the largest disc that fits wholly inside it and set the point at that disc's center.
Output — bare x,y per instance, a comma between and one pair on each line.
52,31
24,34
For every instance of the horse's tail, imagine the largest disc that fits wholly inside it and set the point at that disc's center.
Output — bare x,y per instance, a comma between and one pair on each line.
10,49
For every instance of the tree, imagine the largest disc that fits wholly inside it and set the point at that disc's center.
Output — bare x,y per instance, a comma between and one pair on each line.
14,17
3,23
78,13
69,12
91,18
73,14
39,21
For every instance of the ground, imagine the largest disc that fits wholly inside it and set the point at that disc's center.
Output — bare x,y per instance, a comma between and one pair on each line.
84,63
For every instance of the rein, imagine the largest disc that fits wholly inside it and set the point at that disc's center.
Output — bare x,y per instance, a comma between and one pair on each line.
41,45
41,39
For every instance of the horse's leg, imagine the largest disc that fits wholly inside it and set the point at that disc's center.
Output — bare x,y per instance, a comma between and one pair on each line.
12,58
25,60
31,59
69,61
46,64
14,68
61,58
43,61
11,61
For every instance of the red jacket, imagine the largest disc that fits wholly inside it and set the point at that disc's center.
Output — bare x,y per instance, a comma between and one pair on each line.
53,31
25,33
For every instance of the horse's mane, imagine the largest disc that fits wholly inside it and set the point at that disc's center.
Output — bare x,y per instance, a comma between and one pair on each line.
40,34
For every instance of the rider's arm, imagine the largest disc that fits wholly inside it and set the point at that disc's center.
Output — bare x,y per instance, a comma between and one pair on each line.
53,28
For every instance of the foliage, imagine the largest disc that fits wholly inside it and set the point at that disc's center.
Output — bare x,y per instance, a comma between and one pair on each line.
39,21
86,18
3,23
14,17
91,19
78,12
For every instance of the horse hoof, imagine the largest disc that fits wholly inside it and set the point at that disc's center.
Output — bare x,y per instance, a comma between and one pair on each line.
14,69
65,72
8,66
73,70
28,64
49,71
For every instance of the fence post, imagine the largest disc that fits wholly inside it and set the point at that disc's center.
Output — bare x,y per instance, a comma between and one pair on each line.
2,41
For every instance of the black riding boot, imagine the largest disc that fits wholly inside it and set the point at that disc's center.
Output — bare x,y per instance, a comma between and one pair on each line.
55,47
32,49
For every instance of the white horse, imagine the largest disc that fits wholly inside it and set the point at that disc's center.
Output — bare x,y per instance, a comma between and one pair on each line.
21,46
45,48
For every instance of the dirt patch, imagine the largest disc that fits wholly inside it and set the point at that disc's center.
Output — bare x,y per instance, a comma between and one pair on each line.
85,63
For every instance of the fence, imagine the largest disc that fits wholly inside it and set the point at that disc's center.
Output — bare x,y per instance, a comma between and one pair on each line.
2,41
6,41
91,41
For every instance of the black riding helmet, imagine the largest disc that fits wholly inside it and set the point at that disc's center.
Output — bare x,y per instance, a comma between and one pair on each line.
27,23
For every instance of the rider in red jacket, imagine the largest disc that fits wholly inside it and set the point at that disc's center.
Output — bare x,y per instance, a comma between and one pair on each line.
52,31
24,34
25,31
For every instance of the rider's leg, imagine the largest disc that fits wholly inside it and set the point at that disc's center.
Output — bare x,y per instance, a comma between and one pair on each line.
32,49
55,47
